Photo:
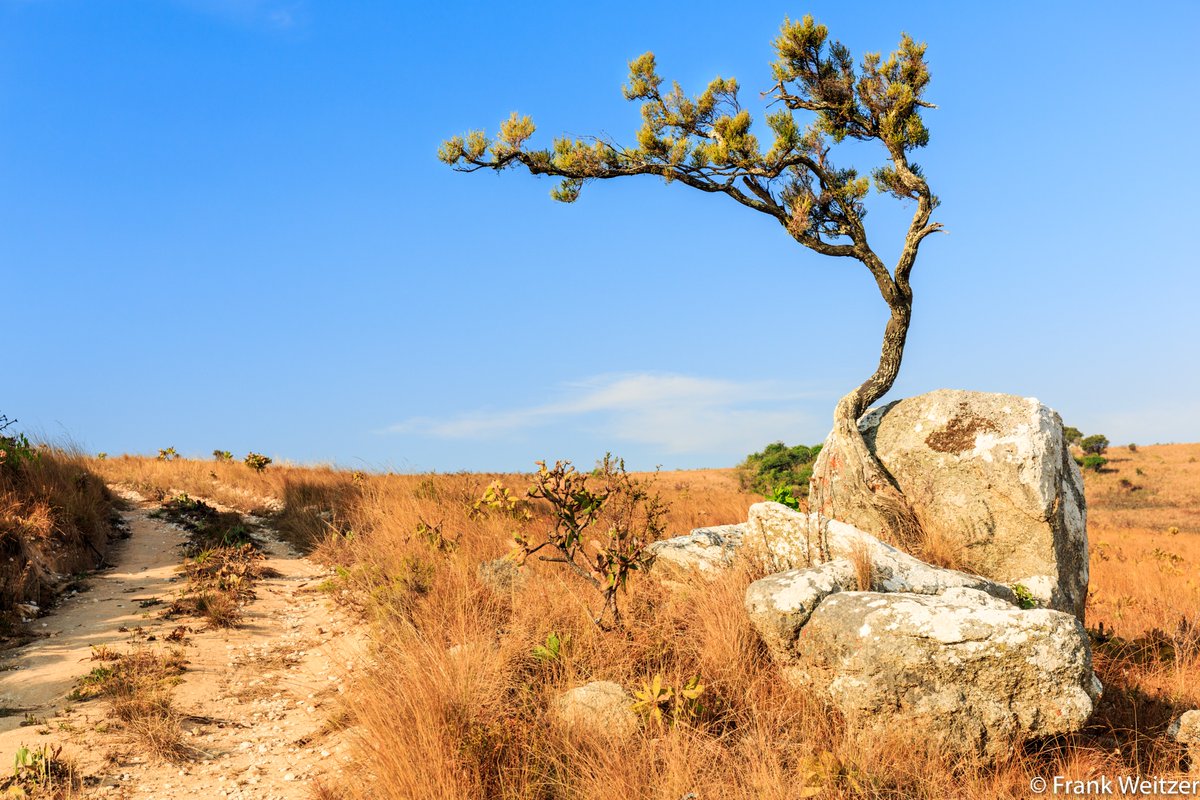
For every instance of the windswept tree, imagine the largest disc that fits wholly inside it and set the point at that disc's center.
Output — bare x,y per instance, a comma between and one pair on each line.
706,142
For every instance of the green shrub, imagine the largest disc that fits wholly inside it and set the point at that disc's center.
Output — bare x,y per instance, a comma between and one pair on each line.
16,448
167,454
1072,435
1095,444
223,456
256,461
778,466
1094,462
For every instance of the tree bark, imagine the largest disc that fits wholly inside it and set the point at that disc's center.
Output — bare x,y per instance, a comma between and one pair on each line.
849,482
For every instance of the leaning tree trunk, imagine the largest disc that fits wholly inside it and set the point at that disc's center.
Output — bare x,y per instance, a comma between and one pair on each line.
849,482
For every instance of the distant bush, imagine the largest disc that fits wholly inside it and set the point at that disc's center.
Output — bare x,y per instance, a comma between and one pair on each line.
1132,447
14,449
167,454
777,467
1094,462
223,456
256,461
1072,435
1095,444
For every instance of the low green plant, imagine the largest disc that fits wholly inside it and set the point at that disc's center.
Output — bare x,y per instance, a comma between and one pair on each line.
167,454
1072,435
552,650
1025,598
498,499
256,461
783,495
1094,462
431,533
39,772
224,456
1095,444
659,703
825,774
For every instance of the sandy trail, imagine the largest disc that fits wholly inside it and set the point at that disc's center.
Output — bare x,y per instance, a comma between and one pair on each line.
262,698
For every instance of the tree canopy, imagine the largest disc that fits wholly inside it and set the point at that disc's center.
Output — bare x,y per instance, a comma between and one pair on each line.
820,97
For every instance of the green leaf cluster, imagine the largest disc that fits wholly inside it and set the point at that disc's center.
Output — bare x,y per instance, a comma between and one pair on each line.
779,471
707,140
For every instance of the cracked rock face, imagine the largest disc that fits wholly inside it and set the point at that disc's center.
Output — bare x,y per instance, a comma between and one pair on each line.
992,476
971,672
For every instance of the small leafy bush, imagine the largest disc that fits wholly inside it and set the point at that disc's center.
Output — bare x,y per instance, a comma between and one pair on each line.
658,703
224,456
1072,435
256,461
783,495
1025,598
1094,462
167,454
581,504
778,465
15,448
1095,444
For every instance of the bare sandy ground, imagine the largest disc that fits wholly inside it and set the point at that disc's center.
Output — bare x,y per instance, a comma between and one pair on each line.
262,699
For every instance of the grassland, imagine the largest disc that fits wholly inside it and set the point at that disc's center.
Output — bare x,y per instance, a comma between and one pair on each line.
456,703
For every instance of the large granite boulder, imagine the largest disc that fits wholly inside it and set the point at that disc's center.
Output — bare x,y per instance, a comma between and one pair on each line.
972,673
991,475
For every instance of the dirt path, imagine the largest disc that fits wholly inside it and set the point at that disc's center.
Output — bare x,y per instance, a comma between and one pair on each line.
261,699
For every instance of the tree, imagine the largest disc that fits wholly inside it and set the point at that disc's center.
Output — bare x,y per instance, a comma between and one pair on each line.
1095,444
705,142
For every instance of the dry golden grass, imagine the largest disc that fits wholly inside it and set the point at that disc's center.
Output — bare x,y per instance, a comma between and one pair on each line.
56,518
138,685
455,704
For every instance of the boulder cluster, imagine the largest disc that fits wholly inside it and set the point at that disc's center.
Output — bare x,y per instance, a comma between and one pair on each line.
976,659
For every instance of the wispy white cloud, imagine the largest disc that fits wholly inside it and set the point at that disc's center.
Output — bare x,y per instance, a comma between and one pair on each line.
677,413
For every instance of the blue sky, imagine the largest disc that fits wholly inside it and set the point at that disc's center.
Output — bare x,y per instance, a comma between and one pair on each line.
224,226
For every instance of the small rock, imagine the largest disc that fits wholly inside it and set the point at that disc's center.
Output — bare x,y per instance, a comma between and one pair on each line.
1186,731
601,708
501,574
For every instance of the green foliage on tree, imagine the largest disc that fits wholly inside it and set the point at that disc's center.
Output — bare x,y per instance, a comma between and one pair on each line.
819,97
1095,444
1072,435
1094,462
777,467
